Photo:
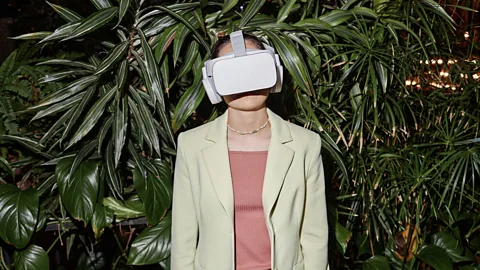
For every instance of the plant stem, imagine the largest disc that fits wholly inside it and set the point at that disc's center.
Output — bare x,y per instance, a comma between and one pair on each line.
55,241
4,265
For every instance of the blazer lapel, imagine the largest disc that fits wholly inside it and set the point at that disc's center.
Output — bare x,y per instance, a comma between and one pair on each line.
218,164
279,160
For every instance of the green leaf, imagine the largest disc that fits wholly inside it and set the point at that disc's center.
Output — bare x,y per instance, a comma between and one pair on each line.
285,10
435,257
113,180
314,24
251,10
115,54
124,5
27,143
188,103
65,13
342,236
81,155
18,214
93,22
150,72
103,132
127,209
155,193
92,117
292,61
120,129
61,32
101,4
6,166
197,34
376,262
228,4
31,258
56,127
68,63
122,74
152,245
58,107
78,191
147,120
102,218
29,36
66,92
190,57
451,246
61,75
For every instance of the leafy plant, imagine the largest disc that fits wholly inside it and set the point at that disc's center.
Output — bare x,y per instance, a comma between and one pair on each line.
399,153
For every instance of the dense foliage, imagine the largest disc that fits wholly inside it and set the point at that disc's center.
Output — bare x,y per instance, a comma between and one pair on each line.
385,83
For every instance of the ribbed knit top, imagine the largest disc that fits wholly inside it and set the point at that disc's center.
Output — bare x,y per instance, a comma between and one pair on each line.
252,242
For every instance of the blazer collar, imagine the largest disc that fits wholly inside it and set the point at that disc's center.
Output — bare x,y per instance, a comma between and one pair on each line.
279,128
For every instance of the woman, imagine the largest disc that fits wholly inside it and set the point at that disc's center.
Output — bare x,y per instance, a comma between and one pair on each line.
248,189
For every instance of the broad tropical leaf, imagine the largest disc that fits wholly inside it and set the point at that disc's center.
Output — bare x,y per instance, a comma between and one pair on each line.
18,214
152,245
31,258
78,191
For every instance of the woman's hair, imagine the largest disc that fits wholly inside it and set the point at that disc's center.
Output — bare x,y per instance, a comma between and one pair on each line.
225,40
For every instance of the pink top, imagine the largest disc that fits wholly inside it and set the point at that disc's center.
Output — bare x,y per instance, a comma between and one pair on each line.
252,241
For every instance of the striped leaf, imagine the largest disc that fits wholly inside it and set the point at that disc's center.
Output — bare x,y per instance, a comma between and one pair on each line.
150,72
190,57
69,63
113,180
81,156
29,36
61,32
61,75
60,106
115,54
124,5
57,126
72,122
122,74
101,4
107,125
228,4
65,13
92,117
197,34
292,60
147,120
187,104
285,10
251,10
66,92
119,128
93,22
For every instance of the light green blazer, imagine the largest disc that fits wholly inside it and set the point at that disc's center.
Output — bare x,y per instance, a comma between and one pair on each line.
293,199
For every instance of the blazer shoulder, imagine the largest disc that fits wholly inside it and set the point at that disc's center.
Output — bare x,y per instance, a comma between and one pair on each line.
193,135
302,134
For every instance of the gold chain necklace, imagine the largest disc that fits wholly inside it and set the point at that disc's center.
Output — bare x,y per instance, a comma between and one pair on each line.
249,132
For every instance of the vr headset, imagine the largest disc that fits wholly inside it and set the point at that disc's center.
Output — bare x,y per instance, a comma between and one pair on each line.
242,70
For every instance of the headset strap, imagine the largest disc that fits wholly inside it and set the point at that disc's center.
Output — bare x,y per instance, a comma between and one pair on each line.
238,44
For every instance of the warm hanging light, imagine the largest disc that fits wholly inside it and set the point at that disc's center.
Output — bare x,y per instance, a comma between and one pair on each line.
440,61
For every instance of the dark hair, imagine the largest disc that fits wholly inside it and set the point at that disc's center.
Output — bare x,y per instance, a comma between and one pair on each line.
225,40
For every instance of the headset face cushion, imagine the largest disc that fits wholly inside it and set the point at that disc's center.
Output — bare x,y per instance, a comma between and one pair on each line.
244,74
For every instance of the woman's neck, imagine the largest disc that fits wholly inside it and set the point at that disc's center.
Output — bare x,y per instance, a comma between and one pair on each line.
247,120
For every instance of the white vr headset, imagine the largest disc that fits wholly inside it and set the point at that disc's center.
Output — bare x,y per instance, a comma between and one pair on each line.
242,70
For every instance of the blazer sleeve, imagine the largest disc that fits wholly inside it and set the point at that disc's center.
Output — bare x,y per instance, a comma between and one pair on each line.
184,220
314,235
